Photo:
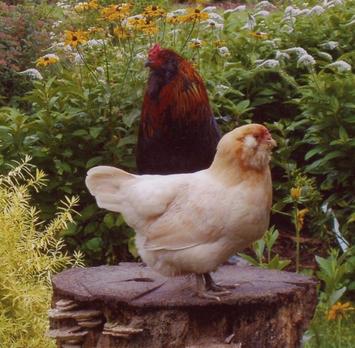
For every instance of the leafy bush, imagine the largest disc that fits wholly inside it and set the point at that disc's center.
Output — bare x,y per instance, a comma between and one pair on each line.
289,68
22,36
30,252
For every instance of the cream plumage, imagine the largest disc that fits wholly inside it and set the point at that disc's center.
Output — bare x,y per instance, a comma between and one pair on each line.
191,223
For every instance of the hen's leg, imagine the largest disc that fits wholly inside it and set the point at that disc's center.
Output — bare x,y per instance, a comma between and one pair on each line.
202,290
212,285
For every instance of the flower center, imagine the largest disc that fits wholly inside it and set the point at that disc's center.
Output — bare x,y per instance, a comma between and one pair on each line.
74,38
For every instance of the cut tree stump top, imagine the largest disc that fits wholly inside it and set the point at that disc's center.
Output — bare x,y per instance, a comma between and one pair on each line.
134,284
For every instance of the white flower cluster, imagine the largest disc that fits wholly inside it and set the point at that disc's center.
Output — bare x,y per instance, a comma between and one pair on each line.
268,63
235,9
32,73
330,45
224,51
340,66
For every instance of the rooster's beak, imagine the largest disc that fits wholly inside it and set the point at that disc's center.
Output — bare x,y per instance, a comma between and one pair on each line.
148,63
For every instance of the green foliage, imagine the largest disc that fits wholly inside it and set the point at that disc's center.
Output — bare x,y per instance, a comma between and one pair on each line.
22,35
337,274
264,246
86,109
30,252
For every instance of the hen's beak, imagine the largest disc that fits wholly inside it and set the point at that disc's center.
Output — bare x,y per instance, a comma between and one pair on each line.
270,140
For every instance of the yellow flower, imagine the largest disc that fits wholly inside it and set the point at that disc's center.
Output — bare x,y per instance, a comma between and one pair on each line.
195,15
75,38
136,22
195,43
81,6
338,310
94,30
121,33
219,43
154,11
48,59
174,19
295,193
259,35
93,4
300,214
116,12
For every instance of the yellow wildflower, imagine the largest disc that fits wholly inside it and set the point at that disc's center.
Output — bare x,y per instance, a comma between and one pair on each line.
300,214
154,11
195,43
121,33
295,193
75,38
48,59
338,310
81,6
116,12
136,22
195,15
219,43
93,4
148,27
94,30
259,35
173,18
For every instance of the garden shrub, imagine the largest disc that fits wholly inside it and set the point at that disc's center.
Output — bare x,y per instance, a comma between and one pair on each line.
289,68
30,252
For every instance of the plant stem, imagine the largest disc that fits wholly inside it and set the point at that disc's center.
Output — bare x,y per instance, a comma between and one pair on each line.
189,35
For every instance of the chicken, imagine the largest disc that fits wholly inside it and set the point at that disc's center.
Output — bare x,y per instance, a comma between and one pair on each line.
191,223
178,132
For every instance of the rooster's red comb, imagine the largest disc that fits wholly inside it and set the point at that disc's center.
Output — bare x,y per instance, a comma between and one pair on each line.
154,51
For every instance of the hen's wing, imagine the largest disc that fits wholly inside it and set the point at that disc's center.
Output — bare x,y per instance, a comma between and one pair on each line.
173,212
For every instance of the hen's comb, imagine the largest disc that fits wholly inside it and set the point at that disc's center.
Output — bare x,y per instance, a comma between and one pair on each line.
154,51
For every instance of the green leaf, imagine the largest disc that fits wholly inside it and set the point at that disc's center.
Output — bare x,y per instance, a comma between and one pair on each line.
336,295
95,131
88,212
92,162
109,220
94,244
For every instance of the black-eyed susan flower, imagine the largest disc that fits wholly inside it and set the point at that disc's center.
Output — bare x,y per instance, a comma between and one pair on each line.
75,38
219,43
48,59
154,11
121,33
173,18
195,43
339,310
136,22
116,12
195,15
81,7
149,27
259,35
84,6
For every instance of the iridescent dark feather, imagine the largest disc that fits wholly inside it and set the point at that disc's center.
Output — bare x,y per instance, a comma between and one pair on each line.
178,132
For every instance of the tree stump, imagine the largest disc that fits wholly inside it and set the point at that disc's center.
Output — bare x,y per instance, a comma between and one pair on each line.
130,305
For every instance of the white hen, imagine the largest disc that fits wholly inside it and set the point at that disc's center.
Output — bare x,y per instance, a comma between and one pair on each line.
191,223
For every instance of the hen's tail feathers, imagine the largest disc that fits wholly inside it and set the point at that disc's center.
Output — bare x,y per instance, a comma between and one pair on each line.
104,183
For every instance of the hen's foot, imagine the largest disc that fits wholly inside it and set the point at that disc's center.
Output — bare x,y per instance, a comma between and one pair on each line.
203,288
217,287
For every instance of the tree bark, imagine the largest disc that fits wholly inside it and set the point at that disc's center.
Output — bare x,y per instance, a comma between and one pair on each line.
132,306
